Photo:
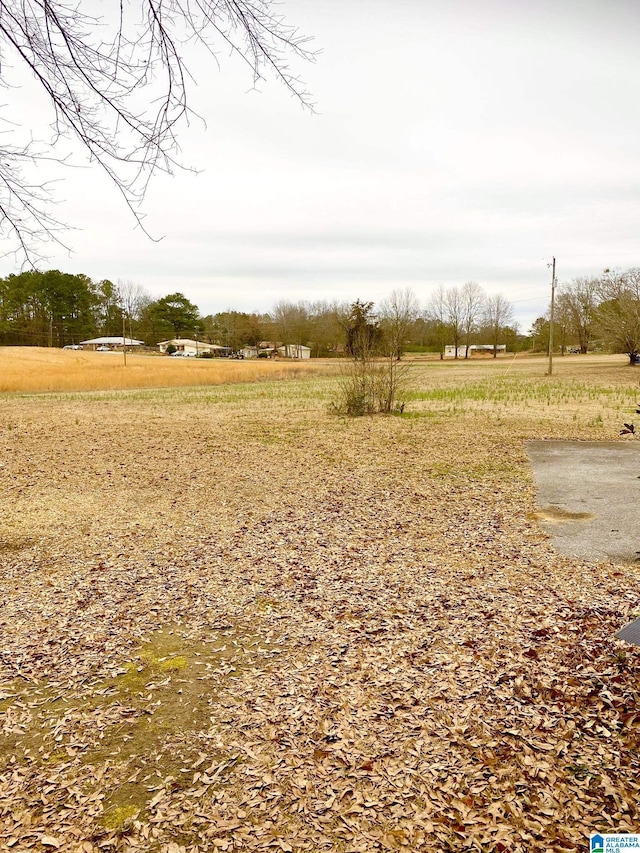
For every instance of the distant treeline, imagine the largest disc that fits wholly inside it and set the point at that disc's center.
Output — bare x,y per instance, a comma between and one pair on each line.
53,308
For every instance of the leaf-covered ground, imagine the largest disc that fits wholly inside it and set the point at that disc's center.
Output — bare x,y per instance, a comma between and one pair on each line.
233,621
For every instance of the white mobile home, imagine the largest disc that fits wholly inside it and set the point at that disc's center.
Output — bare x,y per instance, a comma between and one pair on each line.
188,346
474,349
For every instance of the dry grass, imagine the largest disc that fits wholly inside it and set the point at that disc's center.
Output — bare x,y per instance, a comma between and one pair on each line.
41,370
38,369
232,621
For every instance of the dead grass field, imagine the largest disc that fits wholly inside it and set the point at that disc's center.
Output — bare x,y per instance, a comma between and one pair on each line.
39,369
233,621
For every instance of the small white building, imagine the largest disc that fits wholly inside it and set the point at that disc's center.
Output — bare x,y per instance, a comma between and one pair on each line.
264,349
294,351
191,347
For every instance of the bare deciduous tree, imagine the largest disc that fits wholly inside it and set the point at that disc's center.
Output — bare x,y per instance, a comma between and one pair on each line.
472,297
580,301
118,87
562,324
291,321
436,313
618,315
133,298
454,316
498,313
397,313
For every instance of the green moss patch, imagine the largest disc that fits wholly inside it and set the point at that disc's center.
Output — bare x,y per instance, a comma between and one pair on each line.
142,728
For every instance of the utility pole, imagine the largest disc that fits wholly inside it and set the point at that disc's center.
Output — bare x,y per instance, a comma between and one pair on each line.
553,299
124,340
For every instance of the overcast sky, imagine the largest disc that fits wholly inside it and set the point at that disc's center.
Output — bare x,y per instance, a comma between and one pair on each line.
453,140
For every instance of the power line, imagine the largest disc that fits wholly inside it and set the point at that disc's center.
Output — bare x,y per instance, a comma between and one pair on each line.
530,299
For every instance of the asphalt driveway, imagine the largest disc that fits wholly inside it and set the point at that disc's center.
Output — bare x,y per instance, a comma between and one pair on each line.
588,497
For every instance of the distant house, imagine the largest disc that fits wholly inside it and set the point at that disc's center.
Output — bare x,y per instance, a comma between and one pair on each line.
294,351
474,349
191,347
264,349
113,342
273,349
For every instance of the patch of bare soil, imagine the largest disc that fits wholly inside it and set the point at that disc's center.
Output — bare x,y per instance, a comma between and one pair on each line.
258,626
556,514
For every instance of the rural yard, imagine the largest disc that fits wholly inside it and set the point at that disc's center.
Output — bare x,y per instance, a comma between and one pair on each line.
231,620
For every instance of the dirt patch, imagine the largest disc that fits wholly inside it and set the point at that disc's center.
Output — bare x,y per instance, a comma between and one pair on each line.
557,514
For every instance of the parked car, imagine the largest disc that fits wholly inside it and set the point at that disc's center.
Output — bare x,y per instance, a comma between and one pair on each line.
72,346
103,349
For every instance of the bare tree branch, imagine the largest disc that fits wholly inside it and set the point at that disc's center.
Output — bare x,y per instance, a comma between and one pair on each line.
119,88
